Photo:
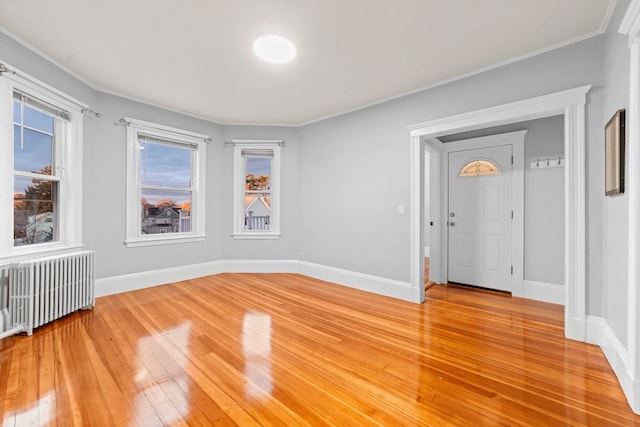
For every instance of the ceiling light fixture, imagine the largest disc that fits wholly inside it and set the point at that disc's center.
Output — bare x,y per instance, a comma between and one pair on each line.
274,49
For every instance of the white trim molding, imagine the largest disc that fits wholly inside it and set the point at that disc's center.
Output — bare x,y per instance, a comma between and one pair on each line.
600,333
241,228
186,141
151,278
67,169
356,280
568,103
547,292
416,213
575,310
630,27
352,279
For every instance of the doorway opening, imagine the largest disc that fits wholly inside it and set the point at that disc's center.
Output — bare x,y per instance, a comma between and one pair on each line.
571,105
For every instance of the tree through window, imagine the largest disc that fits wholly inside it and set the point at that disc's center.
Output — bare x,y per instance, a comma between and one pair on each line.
256,184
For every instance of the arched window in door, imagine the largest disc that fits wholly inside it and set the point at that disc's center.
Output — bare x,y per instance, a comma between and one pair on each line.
479,168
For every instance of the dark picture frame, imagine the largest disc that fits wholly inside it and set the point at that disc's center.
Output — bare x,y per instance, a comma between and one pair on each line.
614,141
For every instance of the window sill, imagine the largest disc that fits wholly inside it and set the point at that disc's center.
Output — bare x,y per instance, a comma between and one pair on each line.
45,250
156,241
256,236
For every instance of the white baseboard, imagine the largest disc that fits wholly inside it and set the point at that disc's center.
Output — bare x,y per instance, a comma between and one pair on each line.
575,329
618,359
594,328
352,279
546,292
365,282
147,279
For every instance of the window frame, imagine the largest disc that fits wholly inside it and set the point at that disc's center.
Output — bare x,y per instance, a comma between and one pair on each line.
239,180
137,128
68,145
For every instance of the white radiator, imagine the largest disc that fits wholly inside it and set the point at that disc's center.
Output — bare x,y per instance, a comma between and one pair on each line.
45,289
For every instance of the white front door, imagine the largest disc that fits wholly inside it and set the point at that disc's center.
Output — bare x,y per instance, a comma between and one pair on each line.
479,217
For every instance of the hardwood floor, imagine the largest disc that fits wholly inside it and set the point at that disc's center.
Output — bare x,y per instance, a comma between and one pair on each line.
287,350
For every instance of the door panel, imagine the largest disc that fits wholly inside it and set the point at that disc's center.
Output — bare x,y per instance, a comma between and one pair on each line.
480,219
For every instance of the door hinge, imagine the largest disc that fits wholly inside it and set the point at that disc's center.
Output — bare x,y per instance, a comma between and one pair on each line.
511,214
512,269
511,159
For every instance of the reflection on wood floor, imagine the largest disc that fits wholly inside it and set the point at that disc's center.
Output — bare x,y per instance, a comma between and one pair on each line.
287,350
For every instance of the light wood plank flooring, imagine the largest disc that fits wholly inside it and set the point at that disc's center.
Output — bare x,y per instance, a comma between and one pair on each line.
287,350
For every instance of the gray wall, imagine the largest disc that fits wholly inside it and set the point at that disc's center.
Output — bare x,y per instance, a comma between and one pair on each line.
368,154
105,192
287,247
18,56
615,218
353,175
343,178
544,203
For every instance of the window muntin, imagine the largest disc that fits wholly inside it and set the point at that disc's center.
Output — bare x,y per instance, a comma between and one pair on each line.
165,196
256,189
479,168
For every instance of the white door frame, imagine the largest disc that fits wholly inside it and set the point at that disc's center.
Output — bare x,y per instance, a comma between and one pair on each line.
516,140
568,103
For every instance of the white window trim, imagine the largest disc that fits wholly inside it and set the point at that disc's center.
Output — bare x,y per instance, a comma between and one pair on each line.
239,175
133,208
69,159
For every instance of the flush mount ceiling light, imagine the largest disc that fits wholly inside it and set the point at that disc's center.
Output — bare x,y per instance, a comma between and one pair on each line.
274,49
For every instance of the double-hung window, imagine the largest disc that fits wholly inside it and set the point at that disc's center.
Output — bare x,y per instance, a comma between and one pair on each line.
256,189
41,167
165,184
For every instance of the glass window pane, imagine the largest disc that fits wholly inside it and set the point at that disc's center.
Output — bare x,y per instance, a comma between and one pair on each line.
479,168
257,206
165,165
257,211
32,151
165,212
17,112
38,120
34,211
258,173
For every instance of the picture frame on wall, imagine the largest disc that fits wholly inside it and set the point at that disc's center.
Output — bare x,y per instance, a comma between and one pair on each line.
614,140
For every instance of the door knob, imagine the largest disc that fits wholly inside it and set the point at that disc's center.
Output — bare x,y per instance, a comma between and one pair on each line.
452,224
452,214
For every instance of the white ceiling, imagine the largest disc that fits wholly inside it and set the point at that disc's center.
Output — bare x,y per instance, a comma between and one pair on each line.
195,56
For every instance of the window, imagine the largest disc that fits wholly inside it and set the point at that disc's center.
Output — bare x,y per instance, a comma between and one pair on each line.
479,168
165,184
41,167
256,189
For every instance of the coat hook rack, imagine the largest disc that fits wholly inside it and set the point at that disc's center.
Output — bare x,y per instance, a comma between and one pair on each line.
547,162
